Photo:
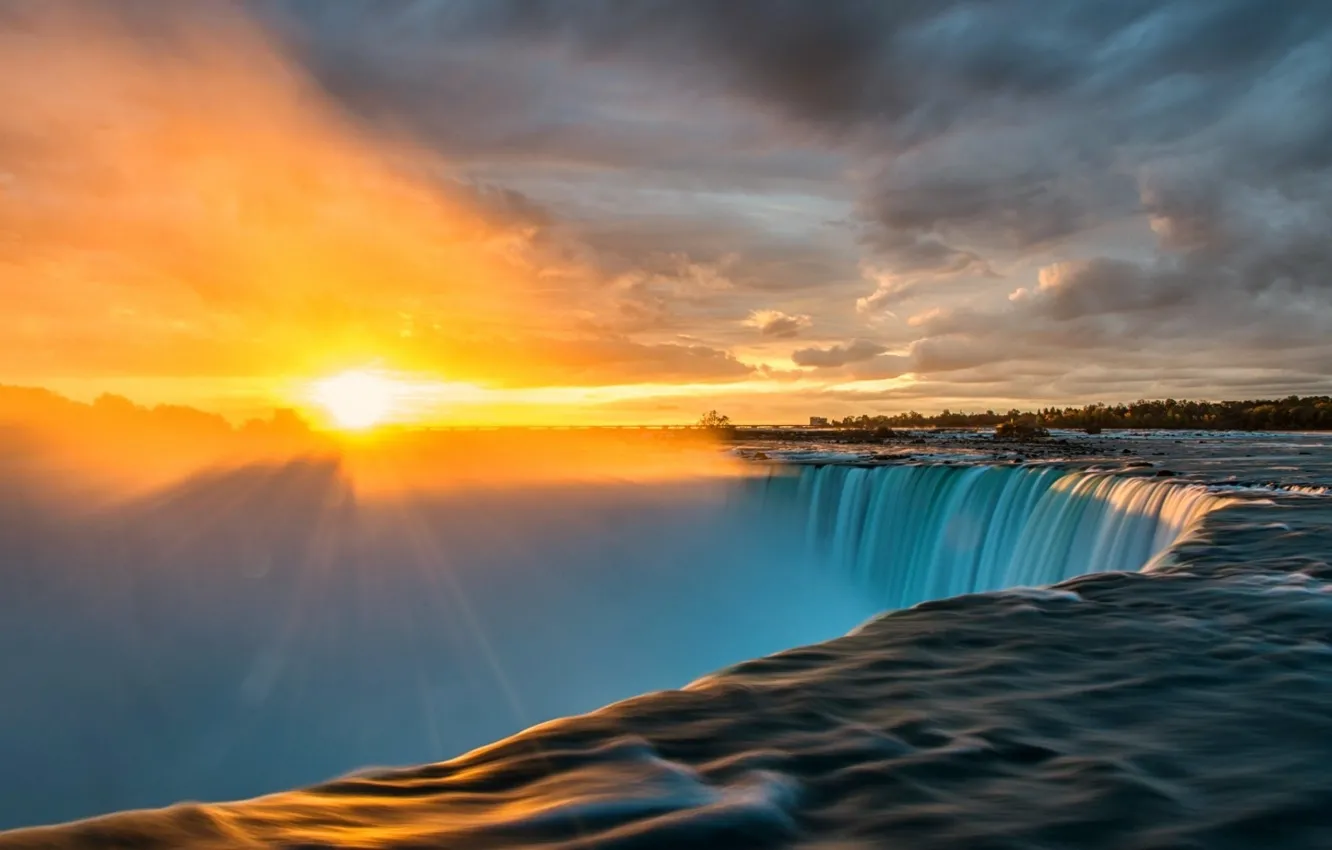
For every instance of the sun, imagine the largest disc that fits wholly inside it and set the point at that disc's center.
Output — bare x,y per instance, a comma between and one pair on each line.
358,399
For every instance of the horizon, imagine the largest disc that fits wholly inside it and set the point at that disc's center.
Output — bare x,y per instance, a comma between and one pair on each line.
317,421
864,209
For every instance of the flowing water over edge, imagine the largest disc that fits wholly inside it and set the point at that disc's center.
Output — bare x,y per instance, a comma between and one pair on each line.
916,532
1072,716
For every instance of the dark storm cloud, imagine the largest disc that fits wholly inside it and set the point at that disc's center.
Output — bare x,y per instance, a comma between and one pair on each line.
1039,111
913,66
511,82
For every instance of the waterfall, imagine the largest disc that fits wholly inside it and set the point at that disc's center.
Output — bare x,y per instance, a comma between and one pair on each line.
925,531
265,627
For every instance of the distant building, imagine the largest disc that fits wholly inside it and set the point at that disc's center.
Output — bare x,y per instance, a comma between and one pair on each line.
818,422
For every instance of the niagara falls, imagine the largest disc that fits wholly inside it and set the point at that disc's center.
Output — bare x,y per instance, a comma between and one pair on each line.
756,640
645,424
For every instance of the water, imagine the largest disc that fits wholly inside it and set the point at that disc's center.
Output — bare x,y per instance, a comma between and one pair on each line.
300,630
270,627
915,532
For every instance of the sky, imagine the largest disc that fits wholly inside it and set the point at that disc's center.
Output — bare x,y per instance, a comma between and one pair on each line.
638,210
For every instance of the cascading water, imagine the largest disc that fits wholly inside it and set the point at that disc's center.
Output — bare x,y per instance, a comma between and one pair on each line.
915,532
267,627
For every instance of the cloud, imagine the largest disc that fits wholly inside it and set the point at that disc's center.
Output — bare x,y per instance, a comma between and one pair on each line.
181,199
950,353
974,143
892,290
1106,187
600,360
881,367
925,253
778,324
183,202
837,355
1102,287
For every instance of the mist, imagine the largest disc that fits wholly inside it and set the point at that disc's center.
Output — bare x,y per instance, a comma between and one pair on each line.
248,628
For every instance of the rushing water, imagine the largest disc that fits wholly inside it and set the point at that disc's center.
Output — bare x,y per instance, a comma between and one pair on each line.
915,532
266,628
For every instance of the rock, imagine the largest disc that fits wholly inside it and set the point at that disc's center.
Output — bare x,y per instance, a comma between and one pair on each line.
1165,473
761,456
1019,430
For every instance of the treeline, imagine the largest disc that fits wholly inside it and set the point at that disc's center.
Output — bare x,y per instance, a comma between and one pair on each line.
112,441
1293,413
111,416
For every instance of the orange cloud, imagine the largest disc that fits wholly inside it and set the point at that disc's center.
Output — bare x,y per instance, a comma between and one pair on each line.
178,199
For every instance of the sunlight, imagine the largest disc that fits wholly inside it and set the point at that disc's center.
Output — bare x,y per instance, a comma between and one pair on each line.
358,399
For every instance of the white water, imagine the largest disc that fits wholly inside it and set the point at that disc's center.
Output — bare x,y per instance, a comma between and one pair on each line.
917,532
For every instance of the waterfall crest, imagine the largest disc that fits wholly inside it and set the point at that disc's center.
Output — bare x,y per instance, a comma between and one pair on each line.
912,533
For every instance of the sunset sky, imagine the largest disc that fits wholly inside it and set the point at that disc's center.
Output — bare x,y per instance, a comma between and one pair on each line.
625,211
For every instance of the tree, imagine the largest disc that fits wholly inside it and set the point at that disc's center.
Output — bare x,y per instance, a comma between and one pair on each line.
1290,413
714,421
